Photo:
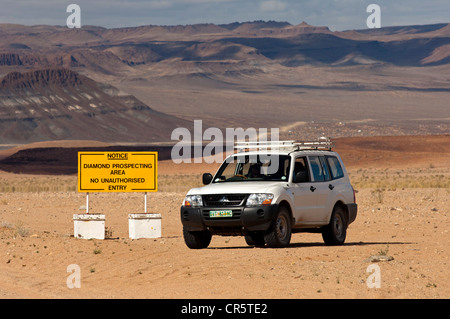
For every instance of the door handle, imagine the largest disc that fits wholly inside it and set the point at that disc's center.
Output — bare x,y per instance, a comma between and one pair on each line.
330,187
312,188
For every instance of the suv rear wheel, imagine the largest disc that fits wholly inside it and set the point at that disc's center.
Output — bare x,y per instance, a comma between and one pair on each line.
335,232
197,239
279,234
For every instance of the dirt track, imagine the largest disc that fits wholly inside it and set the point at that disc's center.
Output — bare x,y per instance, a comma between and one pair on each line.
37,246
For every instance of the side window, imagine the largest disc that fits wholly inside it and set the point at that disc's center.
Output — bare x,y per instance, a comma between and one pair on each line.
326,172
301,166
335,167
316,168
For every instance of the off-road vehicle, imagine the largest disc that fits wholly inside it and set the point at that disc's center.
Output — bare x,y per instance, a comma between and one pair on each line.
266,192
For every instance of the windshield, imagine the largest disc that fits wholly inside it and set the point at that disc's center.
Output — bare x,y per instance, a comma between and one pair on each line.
254,168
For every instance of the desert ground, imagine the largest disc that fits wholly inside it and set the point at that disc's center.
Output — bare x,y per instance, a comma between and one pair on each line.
403,193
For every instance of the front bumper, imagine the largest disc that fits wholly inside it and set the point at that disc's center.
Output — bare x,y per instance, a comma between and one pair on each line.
244,219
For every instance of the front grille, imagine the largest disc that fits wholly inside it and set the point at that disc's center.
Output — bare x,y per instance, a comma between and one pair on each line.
224,200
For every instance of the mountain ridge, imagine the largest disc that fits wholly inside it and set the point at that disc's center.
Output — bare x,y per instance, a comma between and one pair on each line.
113,51
151,79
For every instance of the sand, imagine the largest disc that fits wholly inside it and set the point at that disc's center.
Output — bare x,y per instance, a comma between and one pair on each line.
409,224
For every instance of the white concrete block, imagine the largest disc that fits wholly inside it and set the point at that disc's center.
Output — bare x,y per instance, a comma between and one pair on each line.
89,226
144,226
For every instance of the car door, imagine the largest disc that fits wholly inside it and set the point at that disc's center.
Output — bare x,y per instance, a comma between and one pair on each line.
320,188
304,198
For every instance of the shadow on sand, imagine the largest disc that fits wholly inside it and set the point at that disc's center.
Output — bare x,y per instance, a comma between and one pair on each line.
321,244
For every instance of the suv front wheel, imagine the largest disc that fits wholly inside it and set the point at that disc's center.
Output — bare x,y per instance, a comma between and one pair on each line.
335,232
279,234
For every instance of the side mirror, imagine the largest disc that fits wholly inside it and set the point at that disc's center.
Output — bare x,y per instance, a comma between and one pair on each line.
207,178
301,177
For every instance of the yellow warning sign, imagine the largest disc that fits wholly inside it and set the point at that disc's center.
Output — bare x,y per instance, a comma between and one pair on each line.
117,171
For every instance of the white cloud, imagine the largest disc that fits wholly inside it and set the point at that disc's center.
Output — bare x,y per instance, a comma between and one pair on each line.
272,6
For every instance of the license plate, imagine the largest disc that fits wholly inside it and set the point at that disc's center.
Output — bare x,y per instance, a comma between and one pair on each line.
220,213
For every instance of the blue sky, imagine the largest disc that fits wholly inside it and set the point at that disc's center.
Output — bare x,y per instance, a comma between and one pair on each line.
336,14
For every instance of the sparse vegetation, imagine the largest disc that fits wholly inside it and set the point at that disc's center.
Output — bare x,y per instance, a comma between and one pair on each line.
383,252
376,179
15,230
38,184
397,179
21,231
378,194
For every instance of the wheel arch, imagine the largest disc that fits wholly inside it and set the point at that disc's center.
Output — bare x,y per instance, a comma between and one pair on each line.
344,207
285,203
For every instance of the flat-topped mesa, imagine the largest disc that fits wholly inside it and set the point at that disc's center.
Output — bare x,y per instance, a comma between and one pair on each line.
43,78
307,28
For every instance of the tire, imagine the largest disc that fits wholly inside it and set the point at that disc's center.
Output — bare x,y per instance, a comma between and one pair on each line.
279,234
197,239
335,232
255,239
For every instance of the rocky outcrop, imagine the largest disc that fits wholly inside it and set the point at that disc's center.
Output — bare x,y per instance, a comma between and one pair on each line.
43,78
58,103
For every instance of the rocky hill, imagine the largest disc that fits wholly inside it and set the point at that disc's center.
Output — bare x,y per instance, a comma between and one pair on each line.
57,103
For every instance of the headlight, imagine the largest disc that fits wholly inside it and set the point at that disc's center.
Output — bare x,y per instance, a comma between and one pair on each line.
259,199
193,201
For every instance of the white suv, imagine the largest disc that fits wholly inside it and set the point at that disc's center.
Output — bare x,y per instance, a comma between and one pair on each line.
266,195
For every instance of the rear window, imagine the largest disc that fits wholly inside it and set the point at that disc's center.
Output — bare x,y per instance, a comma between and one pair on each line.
335,167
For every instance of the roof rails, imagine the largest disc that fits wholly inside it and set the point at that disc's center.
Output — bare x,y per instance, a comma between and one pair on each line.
322,143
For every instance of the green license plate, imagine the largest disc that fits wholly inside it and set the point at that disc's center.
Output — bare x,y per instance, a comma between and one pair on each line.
220,213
